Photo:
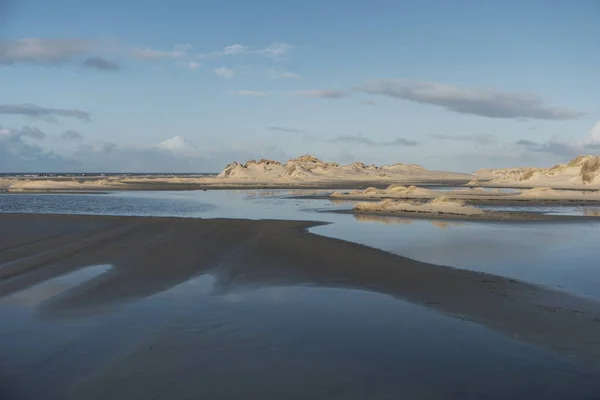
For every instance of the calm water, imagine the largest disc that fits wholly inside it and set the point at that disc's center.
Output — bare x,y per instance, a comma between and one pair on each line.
227,340
288,342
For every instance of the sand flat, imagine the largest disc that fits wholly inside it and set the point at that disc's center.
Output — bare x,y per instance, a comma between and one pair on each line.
150,255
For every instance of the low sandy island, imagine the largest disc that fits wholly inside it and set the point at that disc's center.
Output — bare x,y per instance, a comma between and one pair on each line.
452,209
477,195
301,172
151,255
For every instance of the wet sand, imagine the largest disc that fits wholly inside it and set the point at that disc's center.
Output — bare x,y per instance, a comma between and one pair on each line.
151,255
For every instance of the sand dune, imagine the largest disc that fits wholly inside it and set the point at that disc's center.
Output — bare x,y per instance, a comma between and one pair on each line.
309,168
582,171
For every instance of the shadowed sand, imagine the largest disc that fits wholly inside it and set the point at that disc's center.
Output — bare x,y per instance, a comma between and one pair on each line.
151,255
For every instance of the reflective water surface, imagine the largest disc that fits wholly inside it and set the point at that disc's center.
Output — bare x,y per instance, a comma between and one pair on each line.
193,341
200,339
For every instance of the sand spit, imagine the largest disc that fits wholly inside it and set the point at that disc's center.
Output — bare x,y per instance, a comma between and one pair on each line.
580,172
53,185
151,255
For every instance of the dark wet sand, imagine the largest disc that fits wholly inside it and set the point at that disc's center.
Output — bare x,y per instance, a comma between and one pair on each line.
151,255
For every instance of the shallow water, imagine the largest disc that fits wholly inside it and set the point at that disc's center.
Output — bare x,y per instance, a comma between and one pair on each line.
559,255
204,339
198,341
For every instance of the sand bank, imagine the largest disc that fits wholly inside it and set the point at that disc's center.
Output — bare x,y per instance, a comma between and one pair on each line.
582,172
151,255
475,195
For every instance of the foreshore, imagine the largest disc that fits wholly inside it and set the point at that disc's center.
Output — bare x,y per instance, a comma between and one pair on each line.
149,255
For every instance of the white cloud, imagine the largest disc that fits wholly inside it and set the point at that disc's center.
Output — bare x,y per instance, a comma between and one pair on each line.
224,72
193,65
483,102
178,144
277,49
234,49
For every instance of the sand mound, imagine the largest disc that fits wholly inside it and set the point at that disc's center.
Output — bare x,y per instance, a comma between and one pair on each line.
439,205
310,168
582,170
549,193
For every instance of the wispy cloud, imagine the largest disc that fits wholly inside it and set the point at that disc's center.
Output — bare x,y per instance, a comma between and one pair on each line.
34,111
552,147
193,65
224,72
149,54
275,50
279,74
252,93
368,102
43,51
101,64
483,102
284,129
30,132
323,93
475,138
370,142
71,134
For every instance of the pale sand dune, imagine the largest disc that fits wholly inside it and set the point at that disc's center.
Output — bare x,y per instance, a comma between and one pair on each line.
6,182
311,169
582,171
551,194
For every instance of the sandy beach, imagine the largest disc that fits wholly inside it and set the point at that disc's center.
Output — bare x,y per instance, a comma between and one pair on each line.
150,255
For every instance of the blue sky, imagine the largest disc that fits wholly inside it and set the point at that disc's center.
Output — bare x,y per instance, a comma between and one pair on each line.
190,86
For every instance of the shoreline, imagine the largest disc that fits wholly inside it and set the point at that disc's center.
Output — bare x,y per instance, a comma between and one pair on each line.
165,186
255,253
